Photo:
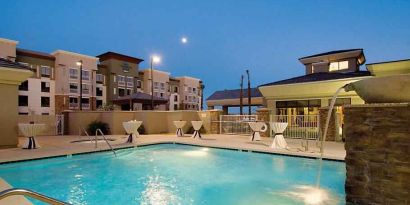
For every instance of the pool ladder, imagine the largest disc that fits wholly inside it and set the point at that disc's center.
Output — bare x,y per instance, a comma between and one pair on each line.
105,139
26,192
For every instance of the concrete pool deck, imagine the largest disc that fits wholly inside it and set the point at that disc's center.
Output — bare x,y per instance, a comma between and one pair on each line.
52,146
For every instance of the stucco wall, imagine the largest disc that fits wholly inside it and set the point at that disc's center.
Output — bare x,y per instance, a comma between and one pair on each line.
8,117
155,122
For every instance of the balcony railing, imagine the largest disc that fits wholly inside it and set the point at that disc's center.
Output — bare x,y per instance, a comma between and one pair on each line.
85,105
73,105
86,91
121,83
73,90
130,84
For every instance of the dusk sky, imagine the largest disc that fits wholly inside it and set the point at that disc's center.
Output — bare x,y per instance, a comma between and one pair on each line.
225,37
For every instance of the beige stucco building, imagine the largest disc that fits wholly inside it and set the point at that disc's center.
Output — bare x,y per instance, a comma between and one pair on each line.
67,77
12,74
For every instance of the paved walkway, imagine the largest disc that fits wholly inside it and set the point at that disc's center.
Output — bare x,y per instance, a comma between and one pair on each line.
62,145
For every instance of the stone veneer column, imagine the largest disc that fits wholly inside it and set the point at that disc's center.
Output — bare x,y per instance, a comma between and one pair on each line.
215,124
263,115
332,129
377,154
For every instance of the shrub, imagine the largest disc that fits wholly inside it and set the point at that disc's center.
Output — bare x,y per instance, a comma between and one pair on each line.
93,126
141,130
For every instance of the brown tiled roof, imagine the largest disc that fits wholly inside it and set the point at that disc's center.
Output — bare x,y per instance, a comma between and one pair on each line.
233,94
34,54
314,77
10,64
118,56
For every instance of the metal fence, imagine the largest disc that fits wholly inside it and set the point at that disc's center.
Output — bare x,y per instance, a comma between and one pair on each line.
236,124
299,126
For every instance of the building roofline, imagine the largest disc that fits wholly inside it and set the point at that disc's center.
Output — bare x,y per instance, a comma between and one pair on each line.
119,56
384,62
35,54
155,70
179,77
332,53
9,41
73,53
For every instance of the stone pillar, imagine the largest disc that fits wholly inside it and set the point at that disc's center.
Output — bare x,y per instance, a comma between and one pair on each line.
332,130
377,154
215,124
263,115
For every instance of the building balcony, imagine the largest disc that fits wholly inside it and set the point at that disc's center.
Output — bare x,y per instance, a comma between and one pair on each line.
74,91
121,83
85,105
73,105
130,84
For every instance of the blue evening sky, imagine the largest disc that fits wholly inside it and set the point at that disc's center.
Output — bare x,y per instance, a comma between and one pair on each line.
225,36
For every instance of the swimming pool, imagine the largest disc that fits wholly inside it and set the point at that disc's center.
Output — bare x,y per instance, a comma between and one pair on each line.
177,174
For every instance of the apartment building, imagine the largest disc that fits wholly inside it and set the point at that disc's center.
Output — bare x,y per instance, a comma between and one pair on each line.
190,93
36,94
67,77
121,74
161,85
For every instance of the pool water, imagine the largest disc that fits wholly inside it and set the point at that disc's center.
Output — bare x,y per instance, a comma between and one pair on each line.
178,174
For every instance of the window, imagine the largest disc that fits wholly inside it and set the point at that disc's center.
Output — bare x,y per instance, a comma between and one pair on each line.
23,113
23,100
73,102
99,103
139,85
45,113
45,71
86,89
129,91
335,66
175,89
175,107
73,88
125,67
162,86
121,80
85,103
45,87
194,90
186,97
189,90
98,91
121,92
73,73
175,98
86,75
161,95
45,101
24,86
130,81
99,78
156,84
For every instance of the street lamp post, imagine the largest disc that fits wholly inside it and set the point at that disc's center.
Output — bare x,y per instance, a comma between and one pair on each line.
154,59
80,63
249,93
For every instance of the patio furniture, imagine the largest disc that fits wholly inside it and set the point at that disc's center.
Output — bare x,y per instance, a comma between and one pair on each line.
257,127
179,124
30,130
279,141
131,127
197,126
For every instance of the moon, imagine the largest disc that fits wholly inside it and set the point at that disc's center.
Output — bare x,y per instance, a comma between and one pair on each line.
184,40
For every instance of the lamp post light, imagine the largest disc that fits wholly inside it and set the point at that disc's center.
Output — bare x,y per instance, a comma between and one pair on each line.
249,93
80,63
154,59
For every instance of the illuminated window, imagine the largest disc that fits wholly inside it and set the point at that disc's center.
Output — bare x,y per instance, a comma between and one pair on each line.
335,66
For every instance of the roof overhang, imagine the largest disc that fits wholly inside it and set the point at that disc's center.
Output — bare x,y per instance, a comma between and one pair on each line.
389,68
336,56
14,76
255,101
317,89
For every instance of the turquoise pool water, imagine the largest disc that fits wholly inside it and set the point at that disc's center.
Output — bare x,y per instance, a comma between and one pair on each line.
179,174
